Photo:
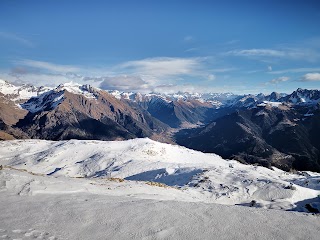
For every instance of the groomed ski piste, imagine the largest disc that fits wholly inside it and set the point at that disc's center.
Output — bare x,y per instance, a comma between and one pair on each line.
142,189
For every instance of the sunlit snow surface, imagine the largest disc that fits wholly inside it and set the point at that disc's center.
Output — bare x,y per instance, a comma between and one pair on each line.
95,190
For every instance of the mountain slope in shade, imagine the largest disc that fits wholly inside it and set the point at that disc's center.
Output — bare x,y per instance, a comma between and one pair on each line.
281,136
176,113
83,112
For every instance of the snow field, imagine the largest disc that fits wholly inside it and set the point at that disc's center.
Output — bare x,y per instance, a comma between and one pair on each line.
194,176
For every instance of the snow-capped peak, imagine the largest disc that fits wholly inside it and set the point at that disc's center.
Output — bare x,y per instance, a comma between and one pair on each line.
76,88
303,96
7,88
51,99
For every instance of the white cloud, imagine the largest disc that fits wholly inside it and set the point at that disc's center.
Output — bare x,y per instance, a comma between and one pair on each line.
16,38
311,77
269,68
57,68
279,80
123,83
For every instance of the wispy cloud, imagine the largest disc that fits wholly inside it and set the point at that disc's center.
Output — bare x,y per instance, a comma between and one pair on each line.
278,80
16,38
256,52
231,42
306,54
223,70
188,38
310,77
57,68
191,49
295,70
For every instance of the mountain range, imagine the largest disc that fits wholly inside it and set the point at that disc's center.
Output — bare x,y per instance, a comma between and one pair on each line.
277,129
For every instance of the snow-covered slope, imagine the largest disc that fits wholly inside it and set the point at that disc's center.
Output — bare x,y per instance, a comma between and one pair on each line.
199,176
141,189
44,207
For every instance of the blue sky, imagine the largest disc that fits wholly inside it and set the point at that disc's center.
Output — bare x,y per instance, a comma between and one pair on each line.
163,46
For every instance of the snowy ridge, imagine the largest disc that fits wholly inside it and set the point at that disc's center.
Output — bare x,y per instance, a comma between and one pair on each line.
200,177
23,92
